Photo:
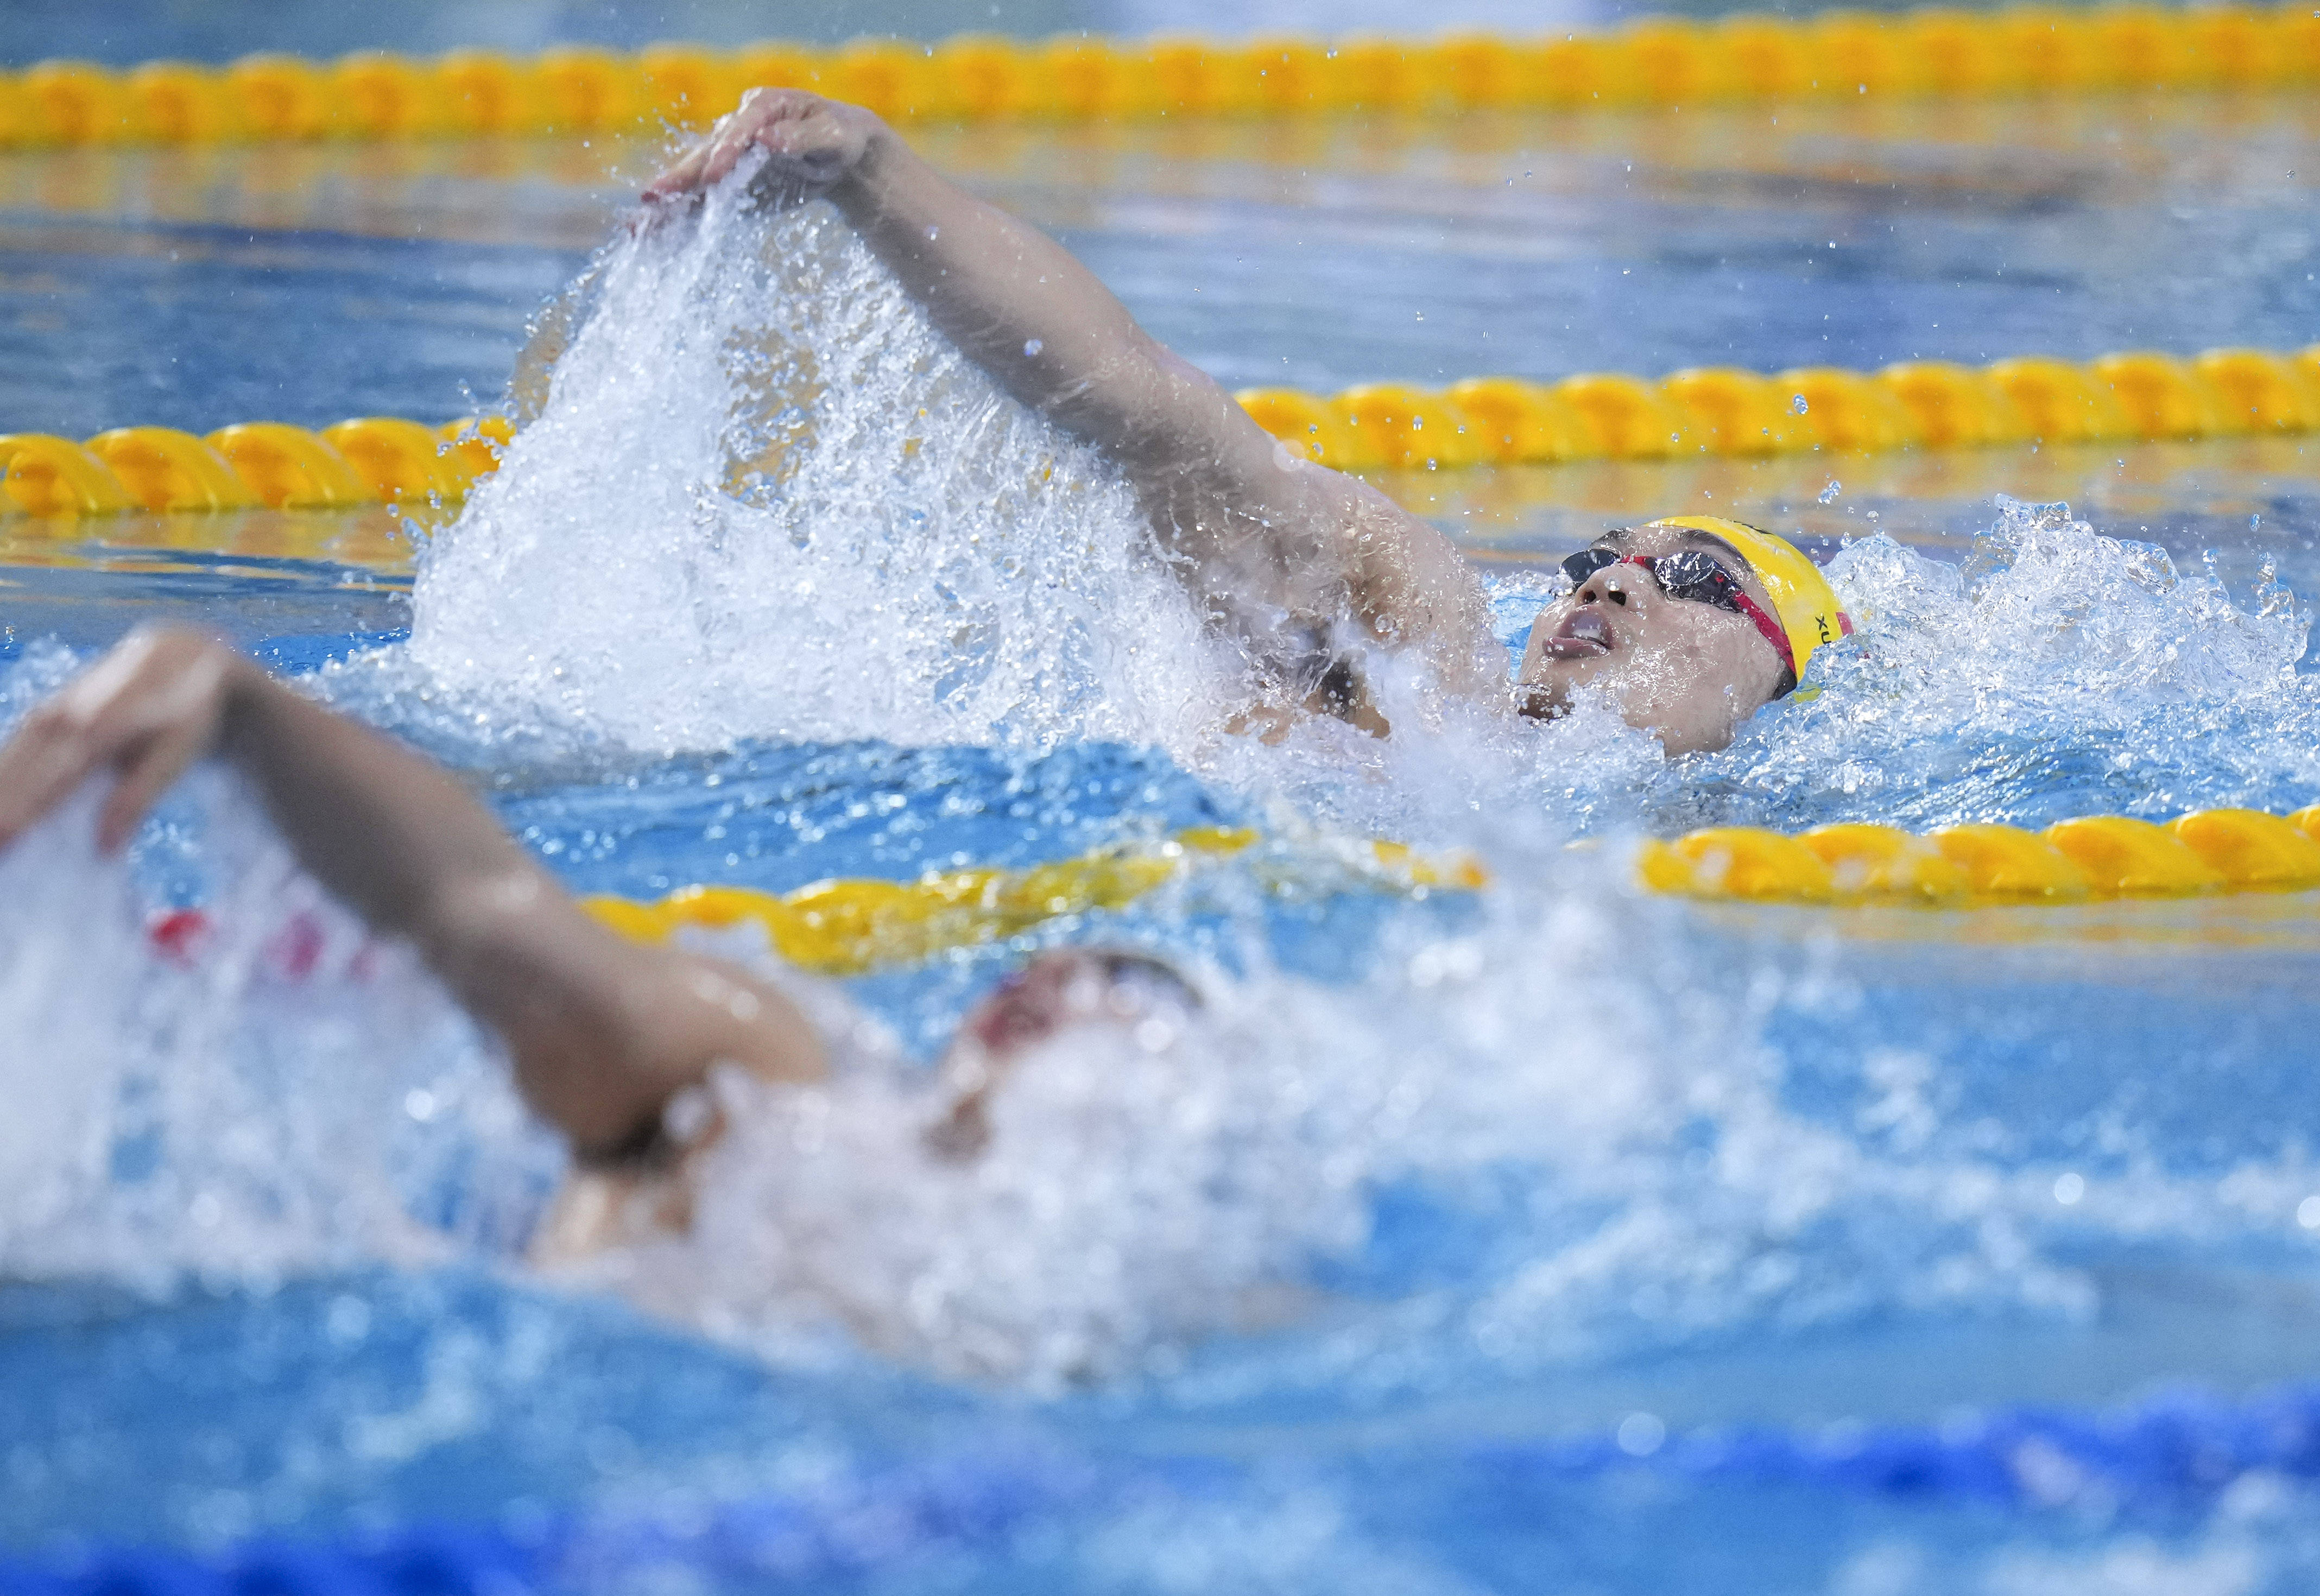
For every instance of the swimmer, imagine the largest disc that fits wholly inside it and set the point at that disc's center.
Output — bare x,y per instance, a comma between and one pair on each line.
1688,626
607,1036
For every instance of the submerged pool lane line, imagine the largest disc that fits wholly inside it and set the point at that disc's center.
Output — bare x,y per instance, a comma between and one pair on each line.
2147,1463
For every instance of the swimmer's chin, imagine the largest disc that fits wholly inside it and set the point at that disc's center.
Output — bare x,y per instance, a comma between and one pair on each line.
1545,692
1536,701
1558,695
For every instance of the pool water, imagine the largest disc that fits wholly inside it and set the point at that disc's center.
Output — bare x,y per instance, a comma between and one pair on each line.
1548,1238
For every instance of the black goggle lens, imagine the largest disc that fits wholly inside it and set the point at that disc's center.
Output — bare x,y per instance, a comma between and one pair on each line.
1689,574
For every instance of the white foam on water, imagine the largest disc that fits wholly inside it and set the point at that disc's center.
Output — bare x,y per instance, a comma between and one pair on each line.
2060,671
763,497
275,1102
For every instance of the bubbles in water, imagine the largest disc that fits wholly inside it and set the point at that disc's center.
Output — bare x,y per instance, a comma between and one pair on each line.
1827,495
759,498
762,497
239,1113
2058,672
1796,404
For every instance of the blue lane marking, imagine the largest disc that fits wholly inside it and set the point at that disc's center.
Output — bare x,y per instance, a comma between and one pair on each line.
2155,1459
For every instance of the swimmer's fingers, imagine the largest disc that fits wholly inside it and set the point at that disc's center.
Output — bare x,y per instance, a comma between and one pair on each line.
682,177
708,161
149,709
810,144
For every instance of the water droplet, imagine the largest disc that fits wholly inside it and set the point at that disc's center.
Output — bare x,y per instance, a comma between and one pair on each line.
1032,347
1828,495
2069,1188
2307,1213
1799,404
1641,1434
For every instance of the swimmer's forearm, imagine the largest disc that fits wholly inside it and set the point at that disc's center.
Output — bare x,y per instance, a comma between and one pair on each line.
386,830
602,1031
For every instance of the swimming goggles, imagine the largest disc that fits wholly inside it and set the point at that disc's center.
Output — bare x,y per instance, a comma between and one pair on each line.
1700,577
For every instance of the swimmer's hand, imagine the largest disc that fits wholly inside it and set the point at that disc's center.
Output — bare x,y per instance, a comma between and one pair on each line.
810,144
146,712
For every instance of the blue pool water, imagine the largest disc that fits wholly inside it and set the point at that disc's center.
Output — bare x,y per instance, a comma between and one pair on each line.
1546,1238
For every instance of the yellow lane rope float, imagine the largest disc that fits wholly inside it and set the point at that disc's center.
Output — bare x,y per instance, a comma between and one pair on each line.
1485,421
1721,410
373,460
2029,51
848,927
2097,857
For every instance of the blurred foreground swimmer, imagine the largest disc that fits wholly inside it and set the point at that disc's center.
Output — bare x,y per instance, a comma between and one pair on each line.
609,1037
1688,626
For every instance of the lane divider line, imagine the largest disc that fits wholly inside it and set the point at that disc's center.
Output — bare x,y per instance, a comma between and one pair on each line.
370,460
1484,421
1938,52
851,926
1725,411
2093,858
848,927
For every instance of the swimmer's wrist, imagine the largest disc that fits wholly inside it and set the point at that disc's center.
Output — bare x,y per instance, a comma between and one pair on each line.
871,166
243,692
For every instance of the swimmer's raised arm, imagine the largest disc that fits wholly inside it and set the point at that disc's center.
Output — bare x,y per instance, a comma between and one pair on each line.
602,1031
1275,546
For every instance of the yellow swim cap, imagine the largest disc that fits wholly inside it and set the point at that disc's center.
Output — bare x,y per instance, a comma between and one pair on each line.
1801,596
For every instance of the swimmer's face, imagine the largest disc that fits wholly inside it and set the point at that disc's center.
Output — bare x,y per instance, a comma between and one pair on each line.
1686,671
1059,991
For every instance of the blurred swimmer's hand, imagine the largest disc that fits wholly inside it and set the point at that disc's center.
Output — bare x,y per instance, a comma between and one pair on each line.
810,144
147,711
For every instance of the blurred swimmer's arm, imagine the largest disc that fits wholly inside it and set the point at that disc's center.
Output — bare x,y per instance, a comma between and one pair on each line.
1269,542
602,1031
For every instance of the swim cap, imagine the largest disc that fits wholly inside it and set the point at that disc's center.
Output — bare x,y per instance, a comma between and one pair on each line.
1801,596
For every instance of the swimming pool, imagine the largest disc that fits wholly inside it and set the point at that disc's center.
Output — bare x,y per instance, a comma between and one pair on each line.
1902,1251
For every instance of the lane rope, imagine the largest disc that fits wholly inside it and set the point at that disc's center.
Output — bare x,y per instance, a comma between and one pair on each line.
1658,61
2092,859
848,927
1725,411
852,925
1485,421
270,465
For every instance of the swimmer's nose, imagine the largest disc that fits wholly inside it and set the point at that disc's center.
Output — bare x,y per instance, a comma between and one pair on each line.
1599,587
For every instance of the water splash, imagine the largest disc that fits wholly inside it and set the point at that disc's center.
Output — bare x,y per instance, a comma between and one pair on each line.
2058,672
761,496
295,1095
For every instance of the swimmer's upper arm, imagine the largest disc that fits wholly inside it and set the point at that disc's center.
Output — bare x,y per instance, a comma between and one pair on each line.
1268,527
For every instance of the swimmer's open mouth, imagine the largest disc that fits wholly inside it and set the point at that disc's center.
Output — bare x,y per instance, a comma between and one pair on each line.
1583,635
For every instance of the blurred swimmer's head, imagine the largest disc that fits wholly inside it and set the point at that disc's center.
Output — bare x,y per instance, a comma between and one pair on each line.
1689,625
1059,992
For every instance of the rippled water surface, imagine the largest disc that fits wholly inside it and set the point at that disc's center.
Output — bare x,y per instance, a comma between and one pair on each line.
1550,1236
